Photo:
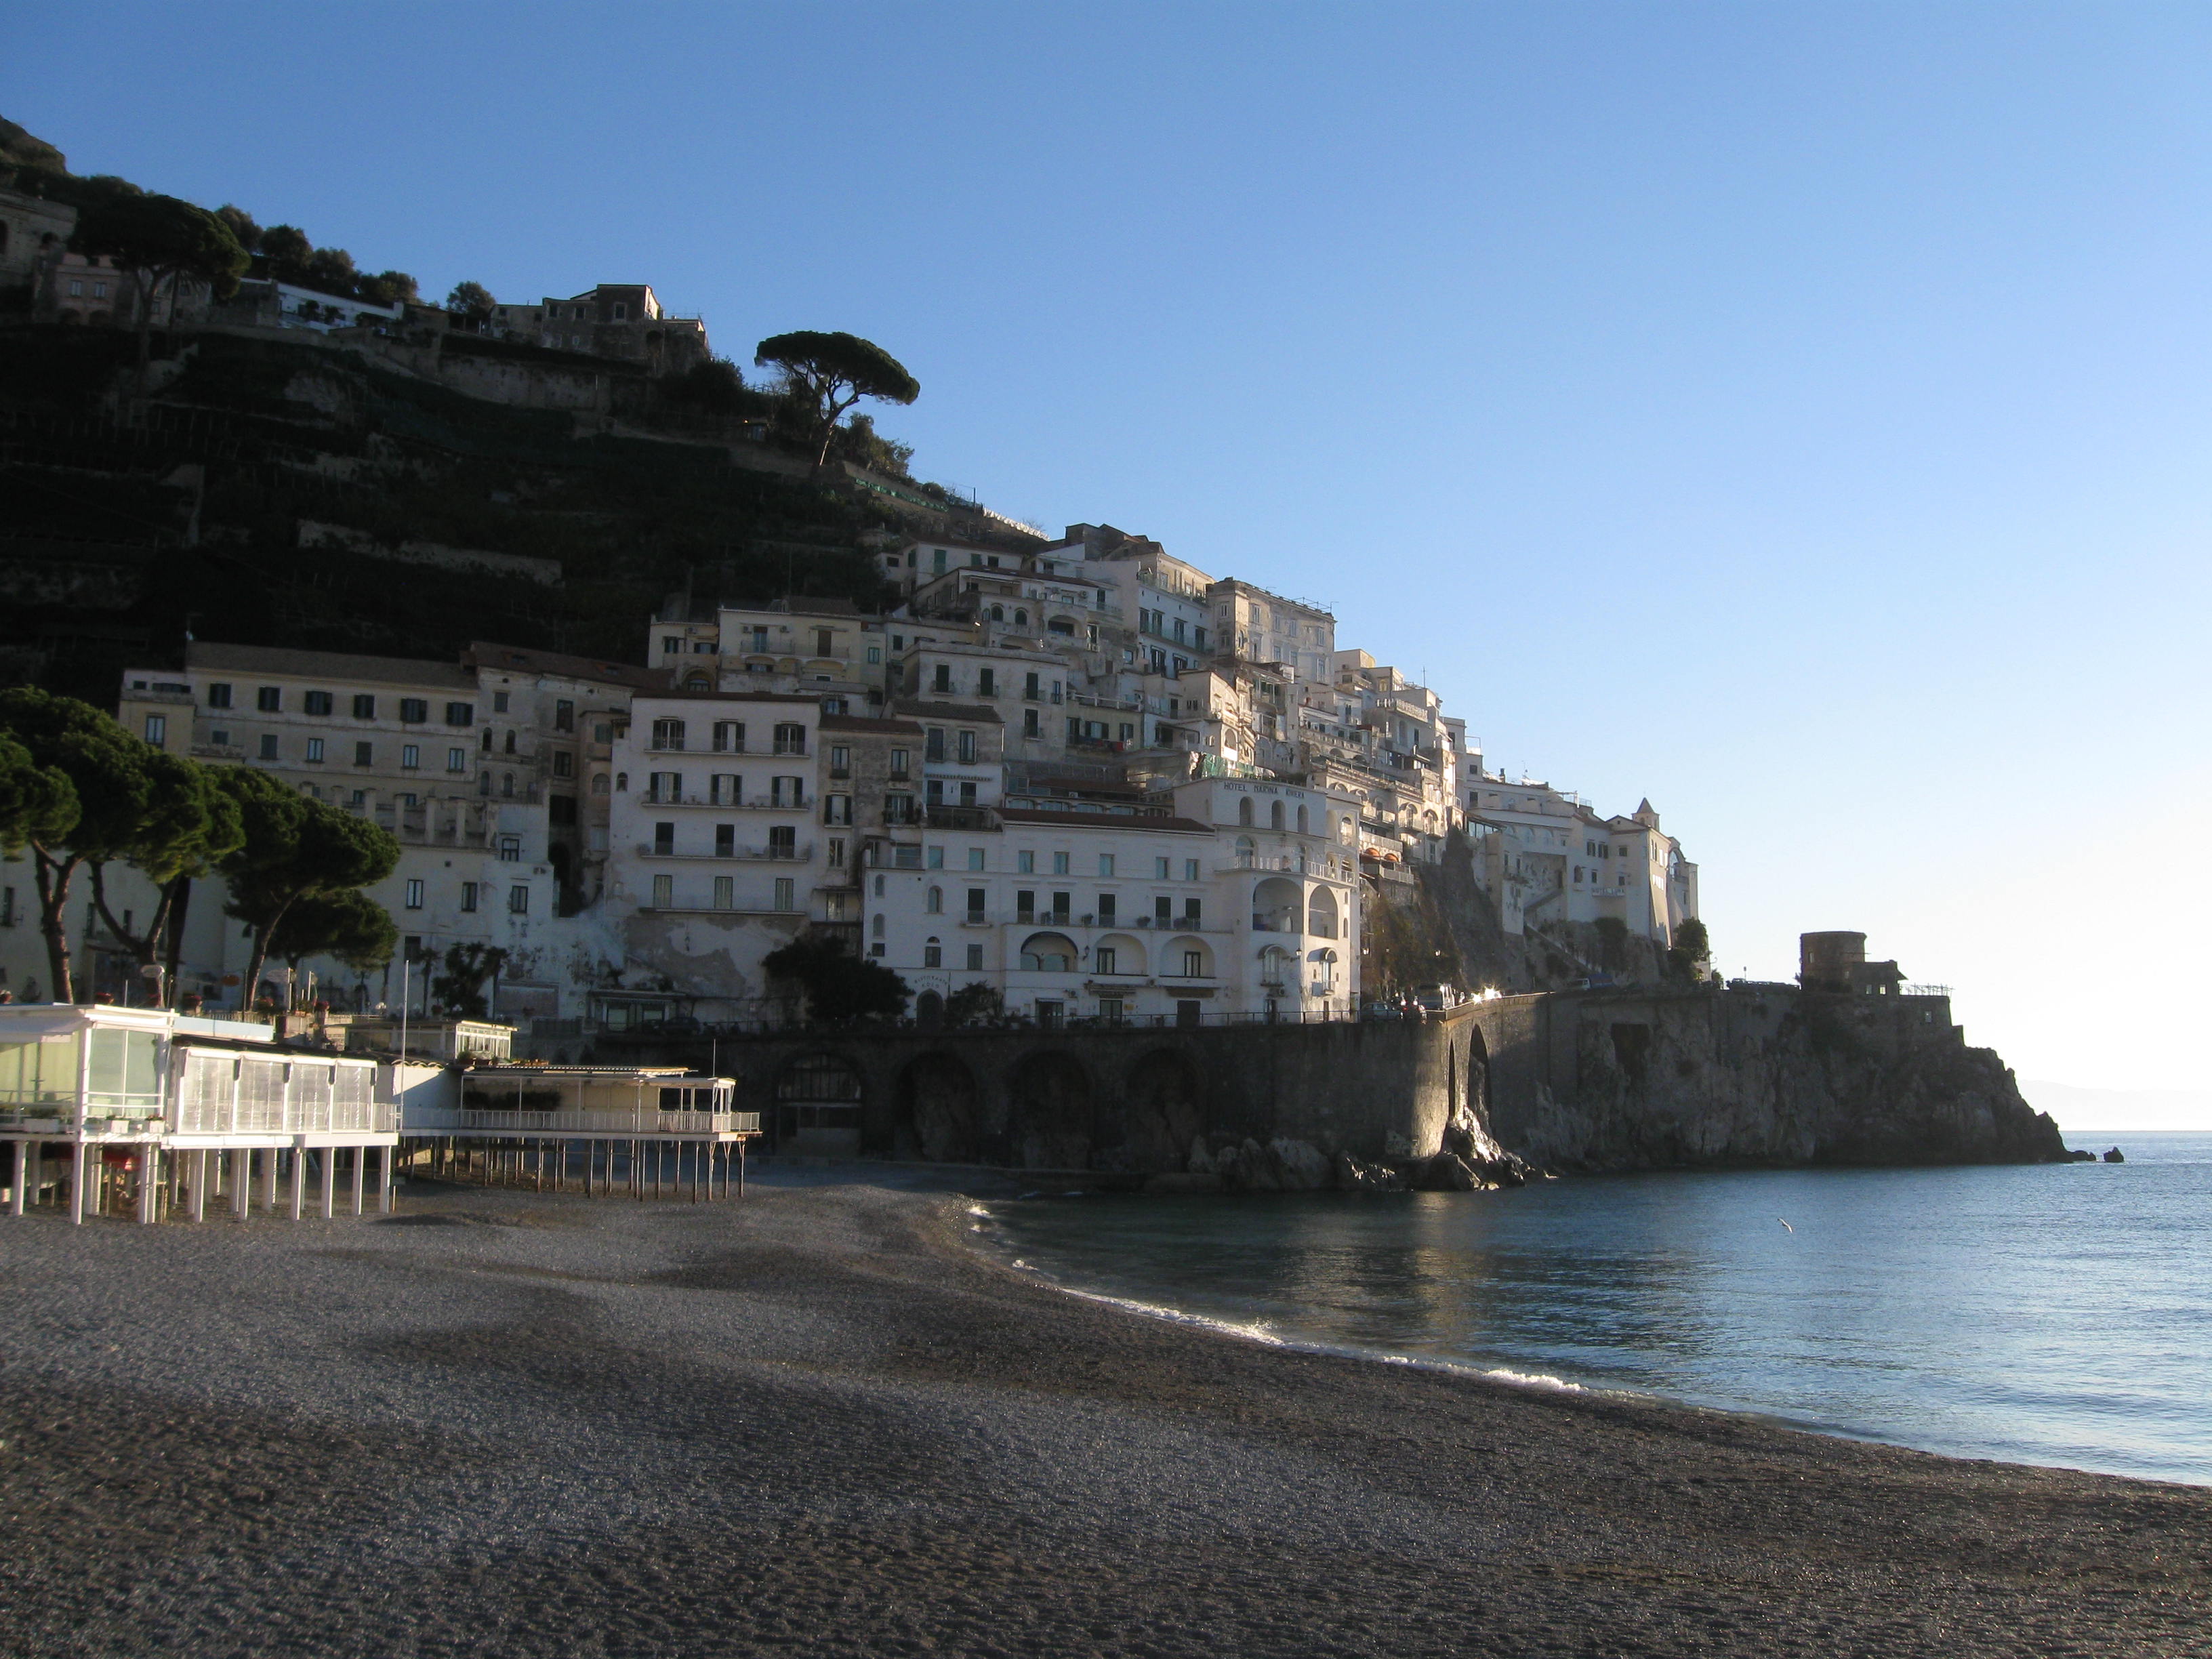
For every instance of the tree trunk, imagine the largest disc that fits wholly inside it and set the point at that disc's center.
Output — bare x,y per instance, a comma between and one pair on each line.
181,901
53,879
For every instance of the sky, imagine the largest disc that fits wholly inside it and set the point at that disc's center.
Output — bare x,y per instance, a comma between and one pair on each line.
1797,414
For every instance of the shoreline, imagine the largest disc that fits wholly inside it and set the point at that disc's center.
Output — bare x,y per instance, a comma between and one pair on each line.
506,1423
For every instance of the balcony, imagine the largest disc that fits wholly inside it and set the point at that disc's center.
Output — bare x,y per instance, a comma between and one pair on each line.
960,817
799,803
798,852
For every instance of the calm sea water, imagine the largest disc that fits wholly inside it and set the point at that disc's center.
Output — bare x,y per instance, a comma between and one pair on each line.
2047,1315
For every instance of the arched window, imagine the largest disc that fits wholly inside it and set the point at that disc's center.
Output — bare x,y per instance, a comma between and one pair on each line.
1246,852
875,924
696,680
510,743
1244,810
598,783
998,613
1274,815
622,782
487,740
507,784
1021,619
1302,820
936,901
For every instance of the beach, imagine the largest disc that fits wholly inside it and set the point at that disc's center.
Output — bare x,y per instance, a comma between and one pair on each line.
820,1420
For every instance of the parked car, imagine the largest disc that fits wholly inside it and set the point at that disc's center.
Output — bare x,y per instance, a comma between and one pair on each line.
1381,1010
1437,998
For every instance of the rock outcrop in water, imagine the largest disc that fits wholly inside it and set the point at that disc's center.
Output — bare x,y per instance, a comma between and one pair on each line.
1755,1075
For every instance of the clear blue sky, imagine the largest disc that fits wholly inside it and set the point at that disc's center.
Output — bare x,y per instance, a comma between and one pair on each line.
1795,414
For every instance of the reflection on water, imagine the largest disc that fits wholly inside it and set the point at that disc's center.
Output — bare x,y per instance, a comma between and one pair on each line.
2050,1315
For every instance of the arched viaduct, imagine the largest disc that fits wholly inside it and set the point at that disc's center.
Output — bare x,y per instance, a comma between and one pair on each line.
1129,1099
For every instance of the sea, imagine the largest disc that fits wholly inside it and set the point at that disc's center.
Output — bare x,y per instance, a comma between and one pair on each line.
2051,1314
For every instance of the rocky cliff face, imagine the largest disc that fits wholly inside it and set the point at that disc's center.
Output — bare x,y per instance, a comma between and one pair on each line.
1767,1076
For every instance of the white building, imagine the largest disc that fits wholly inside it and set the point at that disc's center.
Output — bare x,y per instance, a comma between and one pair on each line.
1225,899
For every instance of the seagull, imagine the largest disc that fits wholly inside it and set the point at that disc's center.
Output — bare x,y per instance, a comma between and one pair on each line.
1786,1227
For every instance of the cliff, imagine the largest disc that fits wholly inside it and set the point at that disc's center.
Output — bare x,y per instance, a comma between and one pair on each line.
1756,1075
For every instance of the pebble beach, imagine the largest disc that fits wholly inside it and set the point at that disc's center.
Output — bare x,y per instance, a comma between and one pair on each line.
820,1420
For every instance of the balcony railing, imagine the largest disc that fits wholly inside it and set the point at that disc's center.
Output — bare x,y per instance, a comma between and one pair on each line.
748,803
961,817
639,1120
797,851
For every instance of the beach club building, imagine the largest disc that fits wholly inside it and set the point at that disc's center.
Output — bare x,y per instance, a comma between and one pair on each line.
107,1111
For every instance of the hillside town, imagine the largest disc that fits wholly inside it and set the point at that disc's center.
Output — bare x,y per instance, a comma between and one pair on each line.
1045,780
1098,781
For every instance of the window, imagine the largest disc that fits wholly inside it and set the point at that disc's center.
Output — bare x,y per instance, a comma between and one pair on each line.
975,856
875,653
943,682
933,902
414,894
785,893
933,955
936,858
564,714
461,714
976,903
987,682
936,788
1102,959
933,743
729,737
410,755
219,737
315,750
671,646
1026,905
898,809
564,763
837,809
270,699
836,854
898,764
218,696
1029,687
316,702
783,843
786,792
1063,905
498,702
157,728
364,754
358,800
1032,723
518,899
468,895
1190,869
1025,863
726,892
668,734
1193,964
664,892
1060,864
1160,869
841,762
414,710
268,745
510,849
1106,864
967,748
457,760
790,739
1191,911
975,959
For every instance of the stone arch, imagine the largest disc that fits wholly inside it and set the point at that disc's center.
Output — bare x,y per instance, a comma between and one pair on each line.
998,613
939,1117
1164,1109
1050,1126
818,1098
929,1009
1244,811
1302,818
1274,815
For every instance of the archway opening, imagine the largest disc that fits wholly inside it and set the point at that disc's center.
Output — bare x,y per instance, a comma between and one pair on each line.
817,1107
937,1119
1050,1126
